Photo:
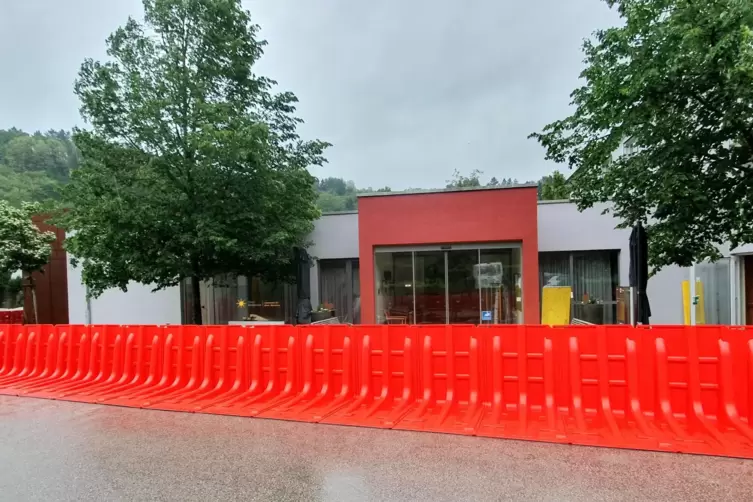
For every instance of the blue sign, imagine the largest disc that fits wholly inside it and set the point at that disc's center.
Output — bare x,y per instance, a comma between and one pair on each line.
486,315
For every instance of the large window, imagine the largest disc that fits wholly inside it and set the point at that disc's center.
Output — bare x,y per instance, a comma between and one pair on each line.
716,290
263,301
339,287
459,284
592,275
239,298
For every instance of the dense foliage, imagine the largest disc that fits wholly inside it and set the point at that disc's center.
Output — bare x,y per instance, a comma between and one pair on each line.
33,167
191,166
337,195
554,187
663,125
23,248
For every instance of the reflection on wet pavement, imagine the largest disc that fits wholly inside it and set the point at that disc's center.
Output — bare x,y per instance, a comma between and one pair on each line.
52,450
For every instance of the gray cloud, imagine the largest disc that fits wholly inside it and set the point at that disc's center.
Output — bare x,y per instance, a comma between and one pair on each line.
407,91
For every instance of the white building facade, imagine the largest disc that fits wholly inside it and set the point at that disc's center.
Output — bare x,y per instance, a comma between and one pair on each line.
583,250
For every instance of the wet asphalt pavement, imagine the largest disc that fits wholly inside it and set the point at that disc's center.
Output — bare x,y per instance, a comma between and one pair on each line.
52,450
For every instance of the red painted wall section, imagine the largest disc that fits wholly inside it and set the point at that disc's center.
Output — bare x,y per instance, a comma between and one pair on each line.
51,282
469,216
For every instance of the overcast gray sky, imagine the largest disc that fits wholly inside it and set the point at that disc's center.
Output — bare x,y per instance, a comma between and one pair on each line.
406,90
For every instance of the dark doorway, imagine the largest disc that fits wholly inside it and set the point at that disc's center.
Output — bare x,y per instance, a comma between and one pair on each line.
749,289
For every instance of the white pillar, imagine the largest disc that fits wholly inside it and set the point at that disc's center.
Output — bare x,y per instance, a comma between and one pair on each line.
692,294
733,296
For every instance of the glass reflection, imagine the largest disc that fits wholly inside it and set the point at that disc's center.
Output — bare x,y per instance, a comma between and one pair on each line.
394,287
462,291
501,286
459,286
431,306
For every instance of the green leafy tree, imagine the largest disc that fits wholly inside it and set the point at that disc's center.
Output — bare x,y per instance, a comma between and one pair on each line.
22,246
337,186
336,195
192,166
17,188
331,203
73,156
461,181
33,168
6,136
38,153
675,81
554,187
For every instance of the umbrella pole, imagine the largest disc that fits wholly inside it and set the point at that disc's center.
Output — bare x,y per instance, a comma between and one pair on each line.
632,306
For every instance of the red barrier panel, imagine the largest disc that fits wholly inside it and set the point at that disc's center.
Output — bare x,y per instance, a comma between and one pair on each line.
271,374
666,388
448,396
69,344
328,370
385,377
37,341
164,359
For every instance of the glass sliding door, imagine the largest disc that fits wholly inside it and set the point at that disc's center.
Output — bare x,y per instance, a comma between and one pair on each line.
459,284
501,291
431,291
464,306
394,287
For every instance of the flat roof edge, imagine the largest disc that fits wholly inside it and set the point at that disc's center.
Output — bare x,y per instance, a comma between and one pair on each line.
339,213
443,190
558,201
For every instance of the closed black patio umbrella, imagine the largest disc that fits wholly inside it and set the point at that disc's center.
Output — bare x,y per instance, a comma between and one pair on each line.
303,286
639,272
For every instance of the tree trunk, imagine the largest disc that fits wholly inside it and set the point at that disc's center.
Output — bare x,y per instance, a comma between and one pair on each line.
196,288
34,298
34,302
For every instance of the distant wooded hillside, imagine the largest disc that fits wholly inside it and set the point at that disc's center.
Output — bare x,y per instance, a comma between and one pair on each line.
33,167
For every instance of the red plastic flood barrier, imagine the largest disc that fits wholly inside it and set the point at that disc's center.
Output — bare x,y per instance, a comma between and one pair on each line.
666,388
